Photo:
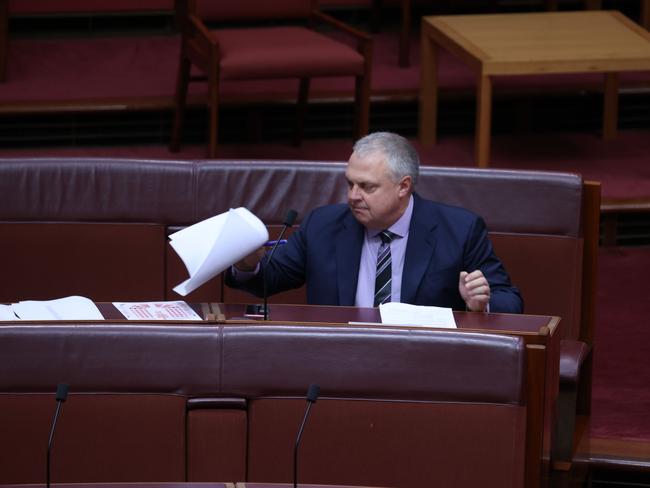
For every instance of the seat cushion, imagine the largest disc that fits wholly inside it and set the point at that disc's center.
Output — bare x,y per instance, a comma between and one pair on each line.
572,355
284,52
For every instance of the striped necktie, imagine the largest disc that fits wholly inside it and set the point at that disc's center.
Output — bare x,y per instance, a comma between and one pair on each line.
383,277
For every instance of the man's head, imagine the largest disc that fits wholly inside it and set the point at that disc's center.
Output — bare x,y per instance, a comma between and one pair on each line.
381,174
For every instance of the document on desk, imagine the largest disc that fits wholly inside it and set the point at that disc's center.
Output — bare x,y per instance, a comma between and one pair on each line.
6,313
67,308
174,310
212,245
394,313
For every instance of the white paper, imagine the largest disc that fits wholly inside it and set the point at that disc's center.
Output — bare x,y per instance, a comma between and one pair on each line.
6,313
176,310
68,308
395,313
212,245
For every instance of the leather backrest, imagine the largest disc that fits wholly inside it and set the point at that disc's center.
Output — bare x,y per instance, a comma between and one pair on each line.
158,394
535,202
218,10
259,361
179,193
97,190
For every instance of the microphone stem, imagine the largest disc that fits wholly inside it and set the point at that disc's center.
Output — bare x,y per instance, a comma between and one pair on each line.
49,444
264,280
295,451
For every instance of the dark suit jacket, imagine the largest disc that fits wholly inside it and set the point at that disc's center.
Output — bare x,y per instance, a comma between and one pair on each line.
443,240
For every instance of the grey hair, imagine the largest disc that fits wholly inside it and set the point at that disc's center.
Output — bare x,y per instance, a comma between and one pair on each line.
401,156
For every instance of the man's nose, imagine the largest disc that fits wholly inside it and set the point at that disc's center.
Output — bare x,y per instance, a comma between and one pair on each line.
353,192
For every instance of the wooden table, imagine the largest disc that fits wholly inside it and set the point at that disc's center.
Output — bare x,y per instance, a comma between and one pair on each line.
527,44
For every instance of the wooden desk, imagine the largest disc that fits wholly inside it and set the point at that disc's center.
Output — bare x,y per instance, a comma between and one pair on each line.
527,44
541,336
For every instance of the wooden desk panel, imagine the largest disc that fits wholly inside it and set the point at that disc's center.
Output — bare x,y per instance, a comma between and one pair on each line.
540,333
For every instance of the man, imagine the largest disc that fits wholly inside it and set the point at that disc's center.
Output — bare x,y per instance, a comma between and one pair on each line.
386,244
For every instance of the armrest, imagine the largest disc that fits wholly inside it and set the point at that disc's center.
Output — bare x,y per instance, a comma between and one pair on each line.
199,45
364,40
572,356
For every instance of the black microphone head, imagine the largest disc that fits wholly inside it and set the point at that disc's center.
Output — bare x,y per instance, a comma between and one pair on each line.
61,392
290,218
312,393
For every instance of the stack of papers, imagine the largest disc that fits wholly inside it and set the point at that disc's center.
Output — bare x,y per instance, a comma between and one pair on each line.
394,313
68,308
212,245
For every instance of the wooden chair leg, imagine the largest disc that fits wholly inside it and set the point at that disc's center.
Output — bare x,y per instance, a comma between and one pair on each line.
180,99
303,97
213,113
405,35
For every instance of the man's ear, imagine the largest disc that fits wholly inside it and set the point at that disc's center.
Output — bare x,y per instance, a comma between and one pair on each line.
405,186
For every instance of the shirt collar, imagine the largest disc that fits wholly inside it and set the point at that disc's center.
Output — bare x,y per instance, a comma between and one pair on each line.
401,226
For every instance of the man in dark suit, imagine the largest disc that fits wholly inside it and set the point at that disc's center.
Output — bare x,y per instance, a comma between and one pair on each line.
386,244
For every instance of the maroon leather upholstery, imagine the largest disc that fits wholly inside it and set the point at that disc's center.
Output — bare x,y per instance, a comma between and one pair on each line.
152,402
574,353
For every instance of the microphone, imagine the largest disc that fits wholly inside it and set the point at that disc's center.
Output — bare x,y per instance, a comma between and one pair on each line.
312,396
289,219
61,396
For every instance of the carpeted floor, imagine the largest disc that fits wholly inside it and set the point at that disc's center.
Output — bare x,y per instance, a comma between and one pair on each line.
621,387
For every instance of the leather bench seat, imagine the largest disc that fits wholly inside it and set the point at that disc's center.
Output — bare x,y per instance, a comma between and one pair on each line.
151,402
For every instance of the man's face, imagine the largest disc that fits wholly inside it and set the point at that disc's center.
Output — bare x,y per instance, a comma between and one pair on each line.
375,199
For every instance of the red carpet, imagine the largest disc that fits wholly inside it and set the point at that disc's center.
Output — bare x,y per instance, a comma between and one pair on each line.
621,388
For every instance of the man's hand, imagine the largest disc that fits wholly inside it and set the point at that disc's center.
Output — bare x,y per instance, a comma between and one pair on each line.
475,290
249,263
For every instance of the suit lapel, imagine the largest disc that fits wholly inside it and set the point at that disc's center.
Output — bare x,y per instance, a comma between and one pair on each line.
349,242
419,250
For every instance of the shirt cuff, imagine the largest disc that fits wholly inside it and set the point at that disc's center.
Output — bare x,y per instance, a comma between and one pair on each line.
243,276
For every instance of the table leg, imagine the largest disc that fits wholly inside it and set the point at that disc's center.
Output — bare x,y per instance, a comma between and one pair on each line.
428,89
405,35
645,14
4,38
483,120
610,107
593,4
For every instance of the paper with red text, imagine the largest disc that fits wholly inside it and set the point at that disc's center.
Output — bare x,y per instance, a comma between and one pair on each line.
177,310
